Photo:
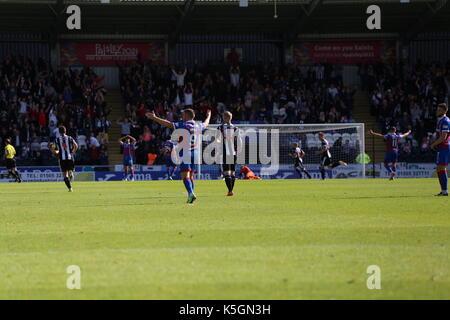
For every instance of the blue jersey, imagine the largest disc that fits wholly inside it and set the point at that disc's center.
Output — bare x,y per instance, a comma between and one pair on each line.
392,142
195,130
168,147
128,149
443,125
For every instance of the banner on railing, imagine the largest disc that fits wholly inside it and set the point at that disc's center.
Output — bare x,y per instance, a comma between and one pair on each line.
111,53
46,174
345,52
212,172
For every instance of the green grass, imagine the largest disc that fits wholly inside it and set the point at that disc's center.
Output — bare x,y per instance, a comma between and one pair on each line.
273,240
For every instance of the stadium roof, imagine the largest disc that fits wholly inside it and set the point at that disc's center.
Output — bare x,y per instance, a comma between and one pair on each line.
173,17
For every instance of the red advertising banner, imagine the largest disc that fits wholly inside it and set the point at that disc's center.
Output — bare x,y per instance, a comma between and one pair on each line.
111,53
345,52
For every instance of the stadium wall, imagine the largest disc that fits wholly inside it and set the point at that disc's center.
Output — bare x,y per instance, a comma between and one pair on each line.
34,46
211,48
430,47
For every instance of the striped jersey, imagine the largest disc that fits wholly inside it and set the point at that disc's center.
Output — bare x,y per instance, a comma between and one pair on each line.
443,125
128,149
229,134
392,142
195,130
327,153
65,145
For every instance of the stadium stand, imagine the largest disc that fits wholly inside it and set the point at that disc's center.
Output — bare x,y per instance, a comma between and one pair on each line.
254,94
406,98
35,100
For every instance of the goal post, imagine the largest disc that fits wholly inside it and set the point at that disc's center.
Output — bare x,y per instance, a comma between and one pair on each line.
273,143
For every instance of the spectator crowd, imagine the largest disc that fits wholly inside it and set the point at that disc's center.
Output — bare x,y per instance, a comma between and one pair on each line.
254,94
406,97
35,100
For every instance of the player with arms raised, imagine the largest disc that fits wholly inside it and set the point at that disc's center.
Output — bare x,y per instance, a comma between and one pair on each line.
442,146
64,148
392,139
297,154
325,156
195,130
128,144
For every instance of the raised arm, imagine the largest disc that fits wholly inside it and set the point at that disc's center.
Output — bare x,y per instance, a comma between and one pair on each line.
133,140
163,122
208,118
376,134
405,134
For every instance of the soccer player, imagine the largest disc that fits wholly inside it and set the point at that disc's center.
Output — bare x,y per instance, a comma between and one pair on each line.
10,154
441,145
325,156
195,130
231,144
248,174
392,139
297,154
128,143
171,167
64,148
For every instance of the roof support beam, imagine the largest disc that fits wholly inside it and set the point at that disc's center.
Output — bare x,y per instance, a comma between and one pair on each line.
58,22
425,18
184,15
302,20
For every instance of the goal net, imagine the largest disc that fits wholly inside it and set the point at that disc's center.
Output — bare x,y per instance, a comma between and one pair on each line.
265,150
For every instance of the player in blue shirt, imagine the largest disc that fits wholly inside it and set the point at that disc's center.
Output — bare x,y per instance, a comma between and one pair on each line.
442,146
171,167
128,144
195,130
392,139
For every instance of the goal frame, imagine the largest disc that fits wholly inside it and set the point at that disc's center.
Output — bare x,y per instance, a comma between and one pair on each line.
314,128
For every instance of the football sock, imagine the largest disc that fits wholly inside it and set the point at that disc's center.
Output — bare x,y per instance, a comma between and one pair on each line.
132,172
299,172
192,184
233,179
307,173
443,180
322,173
67,182
188,185
228,182
388,168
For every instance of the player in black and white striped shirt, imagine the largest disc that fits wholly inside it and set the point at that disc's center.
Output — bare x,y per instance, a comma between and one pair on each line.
64,148
297,154
325,156
230,139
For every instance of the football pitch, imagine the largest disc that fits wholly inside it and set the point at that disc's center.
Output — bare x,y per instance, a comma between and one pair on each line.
275,239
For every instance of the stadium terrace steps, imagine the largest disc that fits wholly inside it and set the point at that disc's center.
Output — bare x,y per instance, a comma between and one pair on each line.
375,148
115,101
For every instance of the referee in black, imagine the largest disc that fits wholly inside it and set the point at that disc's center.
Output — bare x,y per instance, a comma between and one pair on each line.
64,148
231,141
